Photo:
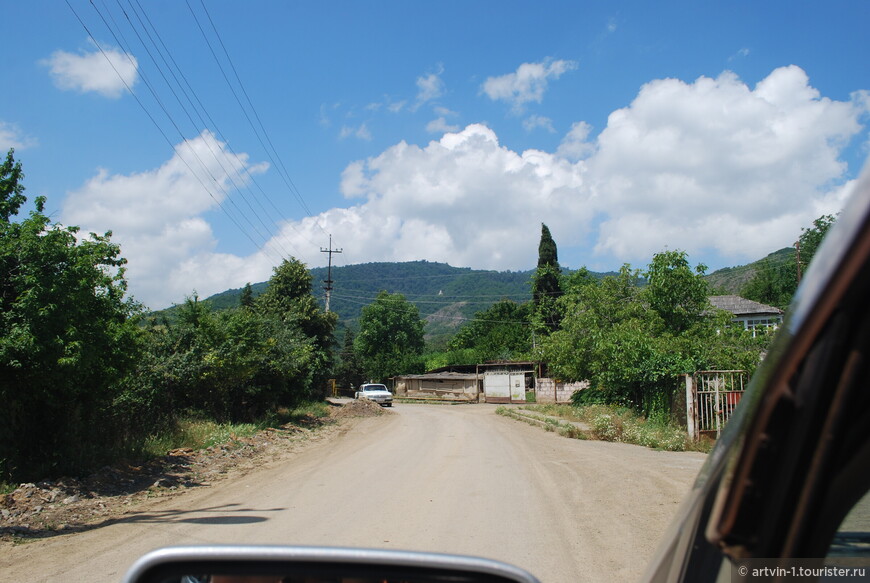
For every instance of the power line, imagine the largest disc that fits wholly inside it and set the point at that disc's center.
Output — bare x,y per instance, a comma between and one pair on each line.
189,91
172,121
233,174
270,149
149,115
227,173
448,300
201,111
402,277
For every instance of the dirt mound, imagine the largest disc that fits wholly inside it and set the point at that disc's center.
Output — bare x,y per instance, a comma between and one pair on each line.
358,408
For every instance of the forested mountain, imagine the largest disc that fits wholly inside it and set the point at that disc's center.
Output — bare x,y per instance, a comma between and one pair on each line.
730,280
446,296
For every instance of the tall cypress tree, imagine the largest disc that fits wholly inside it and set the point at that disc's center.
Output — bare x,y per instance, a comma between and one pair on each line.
546,284
247,298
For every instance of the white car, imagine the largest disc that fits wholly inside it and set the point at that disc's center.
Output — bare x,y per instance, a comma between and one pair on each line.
375,392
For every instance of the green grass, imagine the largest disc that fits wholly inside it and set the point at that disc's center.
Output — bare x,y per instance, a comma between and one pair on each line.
610,423
563,428
201,433
302,415
568,412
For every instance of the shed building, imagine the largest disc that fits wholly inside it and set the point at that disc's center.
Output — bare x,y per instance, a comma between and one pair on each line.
445,386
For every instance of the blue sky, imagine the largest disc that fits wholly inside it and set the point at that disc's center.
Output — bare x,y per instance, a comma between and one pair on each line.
445,131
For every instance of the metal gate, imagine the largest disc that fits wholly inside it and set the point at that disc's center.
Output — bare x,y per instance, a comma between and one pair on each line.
711,397
504,387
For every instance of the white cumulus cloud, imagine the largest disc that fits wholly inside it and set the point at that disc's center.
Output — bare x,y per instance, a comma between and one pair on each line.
157,218
528,83
715,164
576,145
463,199
708,166
108,72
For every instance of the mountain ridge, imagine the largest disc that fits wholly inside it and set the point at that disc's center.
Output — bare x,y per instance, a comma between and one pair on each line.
446,296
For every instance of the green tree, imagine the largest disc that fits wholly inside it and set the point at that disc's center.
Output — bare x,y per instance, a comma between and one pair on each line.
289,297
546,285
349,371
390,339
578,279
501,332
11,188
233,365
812,237
67,338
591,312
776,283
676,292
773,284
632,343
246,300
290,282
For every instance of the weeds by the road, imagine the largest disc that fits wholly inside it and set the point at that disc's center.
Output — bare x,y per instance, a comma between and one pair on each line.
199,433
605,423
563,428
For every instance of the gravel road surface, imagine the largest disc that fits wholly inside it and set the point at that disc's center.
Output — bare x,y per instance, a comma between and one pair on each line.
456,479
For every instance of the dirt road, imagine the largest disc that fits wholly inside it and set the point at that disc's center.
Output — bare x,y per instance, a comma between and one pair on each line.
455,479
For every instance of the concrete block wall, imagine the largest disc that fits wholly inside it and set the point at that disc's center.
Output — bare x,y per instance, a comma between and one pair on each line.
555,391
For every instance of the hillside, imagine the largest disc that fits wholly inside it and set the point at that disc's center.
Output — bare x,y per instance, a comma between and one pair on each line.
730,280
446,296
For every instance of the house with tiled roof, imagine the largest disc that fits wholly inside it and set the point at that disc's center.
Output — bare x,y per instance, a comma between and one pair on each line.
747,313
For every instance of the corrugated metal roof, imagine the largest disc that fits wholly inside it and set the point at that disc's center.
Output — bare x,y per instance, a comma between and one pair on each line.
741,306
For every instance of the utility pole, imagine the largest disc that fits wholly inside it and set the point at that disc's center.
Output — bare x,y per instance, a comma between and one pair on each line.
797,246
328,281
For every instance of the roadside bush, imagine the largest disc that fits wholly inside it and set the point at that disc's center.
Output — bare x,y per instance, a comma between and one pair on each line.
67,339
622,425
231,366
607,427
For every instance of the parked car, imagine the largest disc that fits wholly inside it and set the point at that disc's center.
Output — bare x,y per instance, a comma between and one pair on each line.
787,480
375,392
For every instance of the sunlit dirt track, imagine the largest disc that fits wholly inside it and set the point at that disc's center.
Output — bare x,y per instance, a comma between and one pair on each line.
456,479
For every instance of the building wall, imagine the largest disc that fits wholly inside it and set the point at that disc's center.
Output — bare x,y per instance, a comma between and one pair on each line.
448,390
553,391
758,322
